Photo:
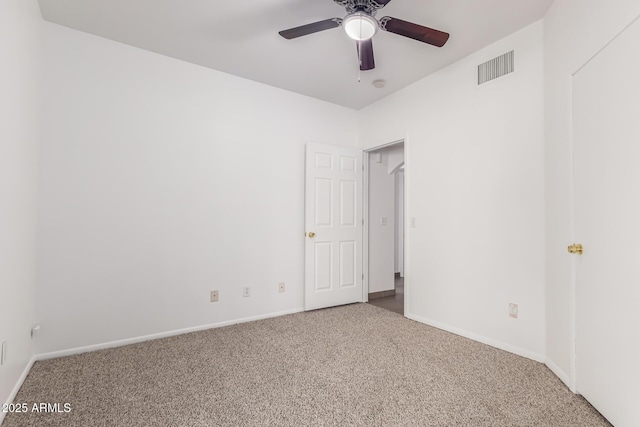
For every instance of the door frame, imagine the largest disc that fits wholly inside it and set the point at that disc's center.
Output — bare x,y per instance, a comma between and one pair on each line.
366,154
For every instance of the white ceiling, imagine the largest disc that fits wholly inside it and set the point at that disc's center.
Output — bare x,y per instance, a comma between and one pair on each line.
241,37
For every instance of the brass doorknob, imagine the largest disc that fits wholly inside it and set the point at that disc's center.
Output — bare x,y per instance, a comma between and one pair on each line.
576,248
312,234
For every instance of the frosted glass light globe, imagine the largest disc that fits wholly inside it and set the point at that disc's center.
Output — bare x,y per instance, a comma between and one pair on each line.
360,26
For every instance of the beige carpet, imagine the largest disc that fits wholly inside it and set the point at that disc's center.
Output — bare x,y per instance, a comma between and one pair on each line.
355,365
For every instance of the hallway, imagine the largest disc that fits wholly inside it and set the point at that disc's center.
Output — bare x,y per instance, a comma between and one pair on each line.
395,302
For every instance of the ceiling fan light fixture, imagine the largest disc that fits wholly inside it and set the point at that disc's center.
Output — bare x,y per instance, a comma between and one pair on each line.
360,26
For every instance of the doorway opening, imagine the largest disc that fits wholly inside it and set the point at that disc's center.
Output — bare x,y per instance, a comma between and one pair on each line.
384,227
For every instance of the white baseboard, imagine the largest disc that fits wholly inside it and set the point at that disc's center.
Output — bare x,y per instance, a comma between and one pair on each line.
135,340
562,375
480,338
17,386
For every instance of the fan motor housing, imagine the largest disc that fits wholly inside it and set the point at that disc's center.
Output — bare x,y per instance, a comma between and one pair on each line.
368,6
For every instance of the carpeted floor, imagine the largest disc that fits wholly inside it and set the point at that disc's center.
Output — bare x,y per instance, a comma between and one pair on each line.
355,365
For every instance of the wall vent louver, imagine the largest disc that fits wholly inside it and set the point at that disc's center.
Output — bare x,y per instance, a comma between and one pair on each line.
496,67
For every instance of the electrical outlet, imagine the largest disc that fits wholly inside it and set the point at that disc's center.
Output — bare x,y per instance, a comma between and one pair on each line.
384,221
246,291
513,310
3,354
214,296
281,287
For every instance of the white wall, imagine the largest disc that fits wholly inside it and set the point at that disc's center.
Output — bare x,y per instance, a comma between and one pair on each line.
161,181
381,237
395,156
474,183
20,23
575,30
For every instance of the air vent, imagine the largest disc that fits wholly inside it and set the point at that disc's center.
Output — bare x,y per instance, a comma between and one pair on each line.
495,68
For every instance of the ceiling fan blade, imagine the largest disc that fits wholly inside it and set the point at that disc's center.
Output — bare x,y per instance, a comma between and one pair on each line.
382,3
304,30
365,54
414,31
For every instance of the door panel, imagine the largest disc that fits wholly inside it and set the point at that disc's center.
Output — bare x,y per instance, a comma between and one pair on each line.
606,127
348,264
348,203
323,266
333,212
323,202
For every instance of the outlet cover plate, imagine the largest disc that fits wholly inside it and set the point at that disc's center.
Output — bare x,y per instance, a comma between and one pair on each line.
513,310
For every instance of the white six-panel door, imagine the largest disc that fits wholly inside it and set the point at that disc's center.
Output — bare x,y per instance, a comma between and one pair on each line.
606,146
333,223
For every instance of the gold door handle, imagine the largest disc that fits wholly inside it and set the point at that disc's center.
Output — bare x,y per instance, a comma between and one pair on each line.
576,248
312,234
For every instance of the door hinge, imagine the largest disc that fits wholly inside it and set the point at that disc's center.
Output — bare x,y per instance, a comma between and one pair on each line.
362,276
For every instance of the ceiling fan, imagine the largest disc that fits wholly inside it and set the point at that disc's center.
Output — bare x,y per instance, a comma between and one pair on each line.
361,25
